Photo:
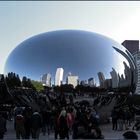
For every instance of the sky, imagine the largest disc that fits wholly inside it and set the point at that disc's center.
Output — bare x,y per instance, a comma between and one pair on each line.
20,20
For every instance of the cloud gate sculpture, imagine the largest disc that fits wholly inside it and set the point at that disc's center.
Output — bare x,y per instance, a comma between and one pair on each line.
96,60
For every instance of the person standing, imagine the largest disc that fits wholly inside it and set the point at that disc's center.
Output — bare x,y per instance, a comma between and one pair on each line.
114,115
19,123
36,124
63,126
28,114
2,126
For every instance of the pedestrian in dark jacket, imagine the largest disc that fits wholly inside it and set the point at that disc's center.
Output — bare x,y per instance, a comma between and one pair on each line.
20,129
27,124
36,125
63,126
2,126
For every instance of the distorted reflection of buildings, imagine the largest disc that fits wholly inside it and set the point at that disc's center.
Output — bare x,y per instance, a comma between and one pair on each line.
101,79
133,48
125,80
46,79
116,80
72,79
84,83
91,82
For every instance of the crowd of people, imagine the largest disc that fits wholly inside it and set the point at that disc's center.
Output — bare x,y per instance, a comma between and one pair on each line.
65,121
79,121
121,118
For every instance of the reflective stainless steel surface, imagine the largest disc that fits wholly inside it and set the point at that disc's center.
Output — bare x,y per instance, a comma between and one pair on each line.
85,54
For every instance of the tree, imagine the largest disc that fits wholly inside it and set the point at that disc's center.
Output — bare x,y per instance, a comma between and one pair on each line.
37,85
13,80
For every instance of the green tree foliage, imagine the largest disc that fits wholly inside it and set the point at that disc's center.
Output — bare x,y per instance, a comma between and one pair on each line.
37,85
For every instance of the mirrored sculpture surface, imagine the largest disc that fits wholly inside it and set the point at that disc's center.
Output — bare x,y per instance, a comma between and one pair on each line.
98,61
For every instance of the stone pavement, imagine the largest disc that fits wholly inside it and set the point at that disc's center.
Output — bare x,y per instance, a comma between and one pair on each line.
106,130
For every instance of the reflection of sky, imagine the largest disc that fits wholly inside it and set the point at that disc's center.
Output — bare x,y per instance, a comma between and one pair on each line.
81,53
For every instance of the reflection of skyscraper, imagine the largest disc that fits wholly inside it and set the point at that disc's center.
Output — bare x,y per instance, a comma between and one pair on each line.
115,79
91,82
128,74
84,83
132,64
46,79
101,79
125,80
108,83
73,80
59,76
131,45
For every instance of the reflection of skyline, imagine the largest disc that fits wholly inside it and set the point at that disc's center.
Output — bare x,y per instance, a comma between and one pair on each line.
116,80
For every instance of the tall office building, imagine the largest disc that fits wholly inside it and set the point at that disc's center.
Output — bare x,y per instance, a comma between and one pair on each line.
101,79
131,45
59,76
46,79
73,80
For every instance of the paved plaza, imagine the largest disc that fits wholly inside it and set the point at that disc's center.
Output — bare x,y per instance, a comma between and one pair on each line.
106,130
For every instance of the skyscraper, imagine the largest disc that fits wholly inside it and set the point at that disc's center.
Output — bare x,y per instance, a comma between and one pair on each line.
131,45
59,76
46,79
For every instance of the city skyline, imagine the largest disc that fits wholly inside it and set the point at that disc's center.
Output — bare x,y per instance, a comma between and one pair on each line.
18,24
